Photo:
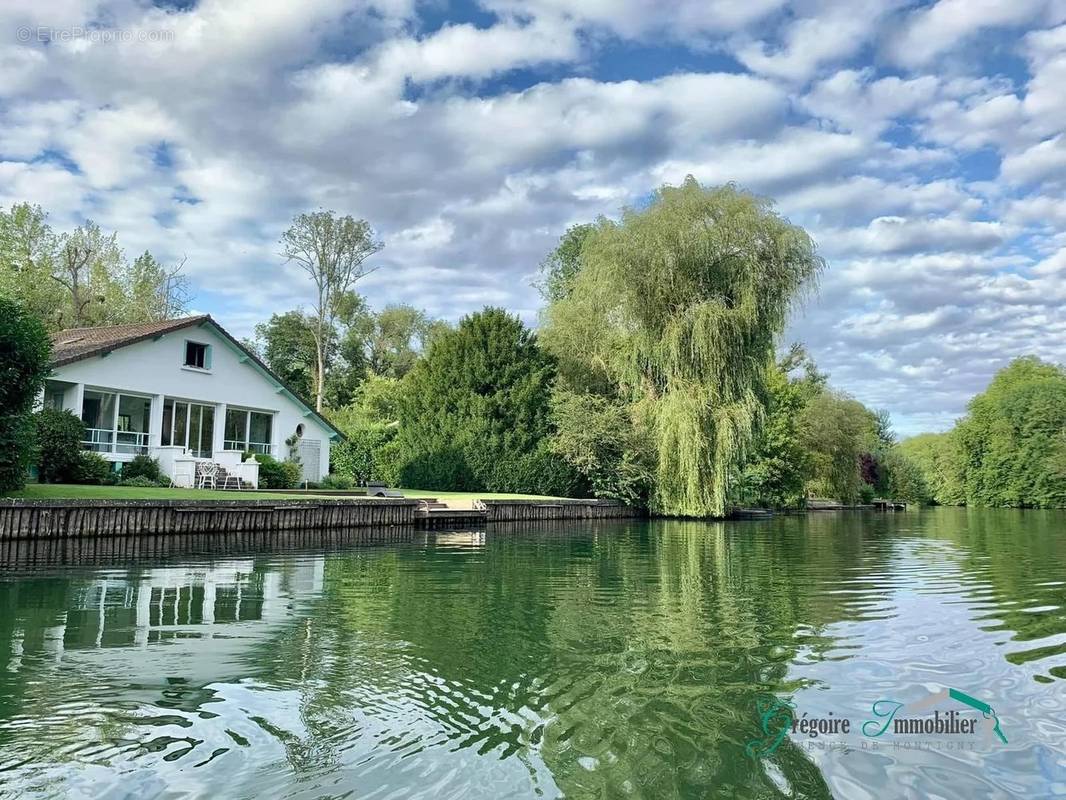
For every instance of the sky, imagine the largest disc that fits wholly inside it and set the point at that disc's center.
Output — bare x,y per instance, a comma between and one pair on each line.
921,145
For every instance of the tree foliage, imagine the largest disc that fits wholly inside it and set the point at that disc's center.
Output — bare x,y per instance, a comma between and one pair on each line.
332,250
780,466
675,310
370,423
598,438
58,436
560,269
836,430
939,457
24,354
474,413
81,277
286,343
1014,438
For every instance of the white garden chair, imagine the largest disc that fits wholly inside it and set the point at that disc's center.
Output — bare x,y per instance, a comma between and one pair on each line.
206,474
184,474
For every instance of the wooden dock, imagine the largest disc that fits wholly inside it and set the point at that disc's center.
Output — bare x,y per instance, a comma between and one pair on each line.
435,515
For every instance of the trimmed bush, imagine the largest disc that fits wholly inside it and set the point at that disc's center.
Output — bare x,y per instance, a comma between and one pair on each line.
59,437
142,467
24,355
92,468
335,481
364,455
274,474
142,481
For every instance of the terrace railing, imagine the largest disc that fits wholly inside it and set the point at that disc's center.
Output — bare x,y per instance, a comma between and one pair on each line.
105,440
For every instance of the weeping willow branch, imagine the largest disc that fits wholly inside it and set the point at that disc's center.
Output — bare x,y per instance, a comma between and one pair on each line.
675,309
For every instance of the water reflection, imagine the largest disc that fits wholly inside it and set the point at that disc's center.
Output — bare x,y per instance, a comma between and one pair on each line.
594,660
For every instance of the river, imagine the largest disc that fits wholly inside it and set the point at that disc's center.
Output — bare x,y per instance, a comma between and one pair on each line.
631,659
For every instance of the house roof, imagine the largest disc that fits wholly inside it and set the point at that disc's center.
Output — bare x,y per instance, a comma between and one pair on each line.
77,344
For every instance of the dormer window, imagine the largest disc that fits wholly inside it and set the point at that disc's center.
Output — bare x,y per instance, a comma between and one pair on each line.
197,355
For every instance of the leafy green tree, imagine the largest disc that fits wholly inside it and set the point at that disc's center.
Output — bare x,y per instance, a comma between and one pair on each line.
286,343
597,438
58,435
388,342
370,424
904,477
24,354
155,292
559,270
940,458
780,466
836,431
675,310
82,278
27,256
474,413
88,267
332,251
1012,437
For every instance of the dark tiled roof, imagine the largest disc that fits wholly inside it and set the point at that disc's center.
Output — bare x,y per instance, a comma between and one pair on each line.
79,343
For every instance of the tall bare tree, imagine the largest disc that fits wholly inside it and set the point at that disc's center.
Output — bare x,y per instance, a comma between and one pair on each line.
156,292
332,250
87,259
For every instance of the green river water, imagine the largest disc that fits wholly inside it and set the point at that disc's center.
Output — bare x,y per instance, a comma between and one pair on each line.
628,659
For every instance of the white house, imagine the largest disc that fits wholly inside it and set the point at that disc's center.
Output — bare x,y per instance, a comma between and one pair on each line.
182,390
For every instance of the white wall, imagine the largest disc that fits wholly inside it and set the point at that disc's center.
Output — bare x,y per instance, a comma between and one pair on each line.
154,367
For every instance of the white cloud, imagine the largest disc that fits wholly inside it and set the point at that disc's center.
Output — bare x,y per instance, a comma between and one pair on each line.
1042,163
949,24
854,102
472,147
833,32
903,235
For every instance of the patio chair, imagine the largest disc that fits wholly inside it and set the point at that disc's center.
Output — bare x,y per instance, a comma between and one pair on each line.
229,480
184,474
206,474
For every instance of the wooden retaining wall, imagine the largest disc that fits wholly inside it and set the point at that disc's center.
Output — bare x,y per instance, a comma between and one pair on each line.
535,511
47,519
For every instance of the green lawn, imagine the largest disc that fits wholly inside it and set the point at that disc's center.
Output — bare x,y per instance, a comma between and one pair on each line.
473,495
65,491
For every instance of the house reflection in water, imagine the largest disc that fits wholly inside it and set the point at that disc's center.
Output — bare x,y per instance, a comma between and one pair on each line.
119,618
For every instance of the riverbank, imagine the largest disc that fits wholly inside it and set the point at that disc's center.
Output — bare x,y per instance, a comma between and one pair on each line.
71,491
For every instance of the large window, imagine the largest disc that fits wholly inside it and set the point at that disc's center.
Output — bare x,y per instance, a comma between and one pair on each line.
189,425
134,419
248,430
98,414
116,423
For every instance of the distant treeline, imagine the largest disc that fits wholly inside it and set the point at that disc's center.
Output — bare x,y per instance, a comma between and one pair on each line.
1010,448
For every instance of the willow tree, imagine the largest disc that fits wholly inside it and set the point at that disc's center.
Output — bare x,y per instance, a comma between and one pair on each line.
675,310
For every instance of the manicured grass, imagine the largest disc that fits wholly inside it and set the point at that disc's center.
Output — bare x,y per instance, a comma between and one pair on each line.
473,495
65,491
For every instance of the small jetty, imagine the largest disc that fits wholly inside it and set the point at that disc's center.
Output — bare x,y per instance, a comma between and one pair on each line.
433,514
817,504
881,504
